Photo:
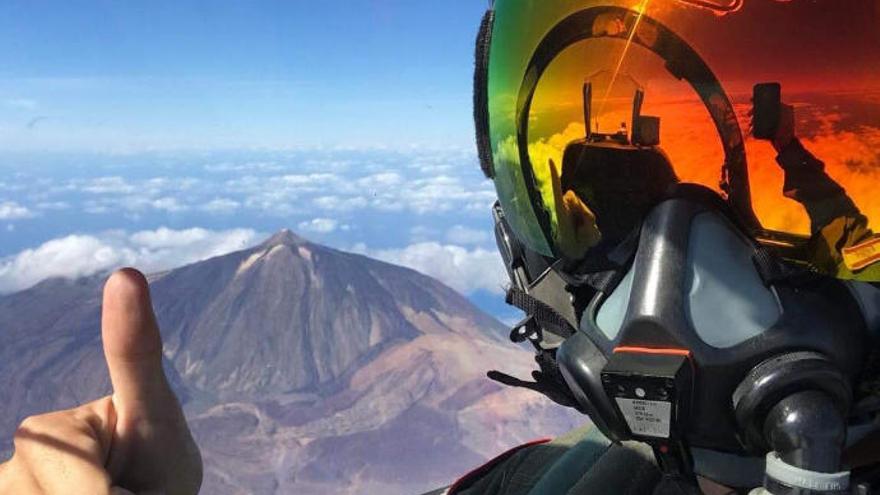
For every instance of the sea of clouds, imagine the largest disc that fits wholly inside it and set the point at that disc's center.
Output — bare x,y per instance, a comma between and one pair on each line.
77,215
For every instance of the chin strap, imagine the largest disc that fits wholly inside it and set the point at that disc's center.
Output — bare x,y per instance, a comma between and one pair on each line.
545,327
540,315
774,270
548,381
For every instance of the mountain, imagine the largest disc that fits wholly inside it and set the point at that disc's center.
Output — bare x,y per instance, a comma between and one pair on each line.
302,369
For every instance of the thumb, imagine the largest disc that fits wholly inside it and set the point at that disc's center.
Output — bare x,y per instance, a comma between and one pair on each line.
576,225
556,184
133,346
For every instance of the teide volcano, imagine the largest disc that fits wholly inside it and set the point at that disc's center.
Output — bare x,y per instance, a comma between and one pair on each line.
302,369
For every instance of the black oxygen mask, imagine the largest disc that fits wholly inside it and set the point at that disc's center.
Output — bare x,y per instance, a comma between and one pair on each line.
704,340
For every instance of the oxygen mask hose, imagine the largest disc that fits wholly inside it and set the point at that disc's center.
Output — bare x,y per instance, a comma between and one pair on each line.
794,406
806,432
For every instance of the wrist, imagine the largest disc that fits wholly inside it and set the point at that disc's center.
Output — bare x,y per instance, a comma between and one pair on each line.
793,155
14,480
781,143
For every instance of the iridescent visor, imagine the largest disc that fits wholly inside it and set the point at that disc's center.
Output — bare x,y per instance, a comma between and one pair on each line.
679,74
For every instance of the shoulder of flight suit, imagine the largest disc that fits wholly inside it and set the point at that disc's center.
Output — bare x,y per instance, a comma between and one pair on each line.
516,471
807,183
848,249
842,244
583,462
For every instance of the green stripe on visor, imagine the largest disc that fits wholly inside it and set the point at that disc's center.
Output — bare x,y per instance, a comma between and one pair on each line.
517,30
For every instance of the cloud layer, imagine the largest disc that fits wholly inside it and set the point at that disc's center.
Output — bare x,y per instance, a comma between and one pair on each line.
322,225
465,270
428,209
10,210
304,184
149,250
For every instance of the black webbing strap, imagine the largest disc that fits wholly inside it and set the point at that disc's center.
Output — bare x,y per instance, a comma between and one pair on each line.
774,270
604,281
545,316
603,273
768,268
548,381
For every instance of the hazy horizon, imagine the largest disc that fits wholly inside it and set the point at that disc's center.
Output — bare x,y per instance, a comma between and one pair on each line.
202,127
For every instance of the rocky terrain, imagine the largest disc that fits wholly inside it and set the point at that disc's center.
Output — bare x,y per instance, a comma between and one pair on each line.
302,369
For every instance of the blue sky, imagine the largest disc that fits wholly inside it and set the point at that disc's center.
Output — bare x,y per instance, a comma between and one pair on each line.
179,74
160,133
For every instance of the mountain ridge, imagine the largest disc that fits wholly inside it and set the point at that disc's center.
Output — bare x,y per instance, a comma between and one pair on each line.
294,361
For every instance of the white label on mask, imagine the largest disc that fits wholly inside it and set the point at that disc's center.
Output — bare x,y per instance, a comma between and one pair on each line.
651,418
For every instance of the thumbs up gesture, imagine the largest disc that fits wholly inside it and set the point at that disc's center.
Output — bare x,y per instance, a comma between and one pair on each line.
577,230
134,441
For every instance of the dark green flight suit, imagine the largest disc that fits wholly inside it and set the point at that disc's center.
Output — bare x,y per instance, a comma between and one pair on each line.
582,462
835,221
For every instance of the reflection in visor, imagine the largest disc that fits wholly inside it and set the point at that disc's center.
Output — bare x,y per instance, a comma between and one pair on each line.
622,58
824,54
558,66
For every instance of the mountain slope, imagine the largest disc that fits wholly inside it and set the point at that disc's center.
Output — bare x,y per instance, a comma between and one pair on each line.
302,369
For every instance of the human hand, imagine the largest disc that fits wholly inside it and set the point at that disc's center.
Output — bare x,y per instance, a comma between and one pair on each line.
135,441
577,230
785,131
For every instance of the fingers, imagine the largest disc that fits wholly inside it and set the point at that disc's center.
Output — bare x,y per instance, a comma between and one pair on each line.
133,346
786,116
137,438
785,132
64,452
153,450
576,224
564,230
556,184
586,231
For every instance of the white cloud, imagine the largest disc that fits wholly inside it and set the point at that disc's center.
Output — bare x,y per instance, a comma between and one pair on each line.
340,203
220,205
158,186
53,205
444,193
12,186
321,225
95,208
424,233
460,268
116,185
168,204
382,180
460,234
149,250
134,204
394,183
309,181
107,185
10,210
251,166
